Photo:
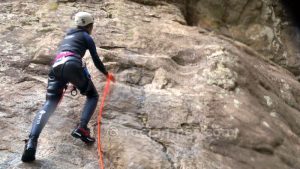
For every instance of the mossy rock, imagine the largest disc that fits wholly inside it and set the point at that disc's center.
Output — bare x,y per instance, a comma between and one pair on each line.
53,6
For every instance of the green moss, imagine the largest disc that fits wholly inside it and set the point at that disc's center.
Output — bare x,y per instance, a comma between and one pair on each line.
53,6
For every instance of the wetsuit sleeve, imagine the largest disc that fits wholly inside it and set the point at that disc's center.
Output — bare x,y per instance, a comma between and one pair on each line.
92,48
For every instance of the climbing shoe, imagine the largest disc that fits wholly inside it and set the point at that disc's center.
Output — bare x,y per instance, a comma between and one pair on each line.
83,134
29,150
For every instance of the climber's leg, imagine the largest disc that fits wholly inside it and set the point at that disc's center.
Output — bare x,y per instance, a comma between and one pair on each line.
76,74
53,96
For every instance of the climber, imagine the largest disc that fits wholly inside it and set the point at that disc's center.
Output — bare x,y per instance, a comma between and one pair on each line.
68,67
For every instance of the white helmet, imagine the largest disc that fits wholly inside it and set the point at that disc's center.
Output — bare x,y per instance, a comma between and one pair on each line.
83,19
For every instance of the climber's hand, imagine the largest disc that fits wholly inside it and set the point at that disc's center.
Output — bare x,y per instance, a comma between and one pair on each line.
111,77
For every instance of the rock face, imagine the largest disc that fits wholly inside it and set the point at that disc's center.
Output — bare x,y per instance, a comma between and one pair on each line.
185,97
265,25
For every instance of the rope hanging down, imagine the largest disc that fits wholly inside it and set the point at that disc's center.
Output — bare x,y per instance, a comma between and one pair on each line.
105,93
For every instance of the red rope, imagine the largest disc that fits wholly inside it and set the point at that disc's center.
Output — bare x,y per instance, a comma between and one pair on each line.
105,93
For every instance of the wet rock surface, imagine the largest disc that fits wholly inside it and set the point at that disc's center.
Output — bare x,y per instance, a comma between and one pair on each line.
186,97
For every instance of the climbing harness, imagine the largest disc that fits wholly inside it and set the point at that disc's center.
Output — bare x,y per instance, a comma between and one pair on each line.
74,91
64,54
61,58
69,88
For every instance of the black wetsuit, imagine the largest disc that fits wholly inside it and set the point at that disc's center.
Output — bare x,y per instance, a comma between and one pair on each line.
70,69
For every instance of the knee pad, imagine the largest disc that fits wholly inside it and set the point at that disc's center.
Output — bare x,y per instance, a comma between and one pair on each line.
54,88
